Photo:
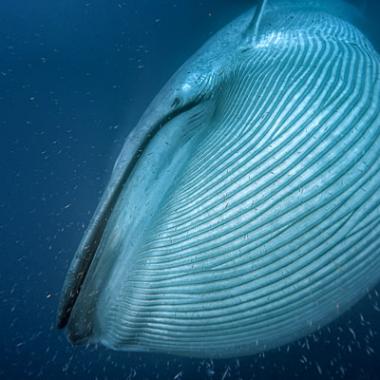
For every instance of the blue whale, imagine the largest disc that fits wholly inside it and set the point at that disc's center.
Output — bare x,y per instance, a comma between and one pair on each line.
244,209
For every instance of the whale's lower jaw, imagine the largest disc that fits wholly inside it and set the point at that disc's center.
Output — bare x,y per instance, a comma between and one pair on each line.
266,229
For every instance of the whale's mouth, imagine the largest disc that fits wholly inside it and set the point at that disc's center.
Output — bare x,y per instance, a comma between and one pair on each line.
89,244
157,164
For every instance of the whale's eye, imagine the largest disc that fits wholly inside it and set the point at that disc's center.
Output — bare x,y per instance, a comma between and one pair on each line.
176,102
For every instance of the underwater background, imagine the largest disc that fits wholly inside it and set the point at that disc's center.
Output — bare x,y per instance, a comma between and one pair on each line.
75,76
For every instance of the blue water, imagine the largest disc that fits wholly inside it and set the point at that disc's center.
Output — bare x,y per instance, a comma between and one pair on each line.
74,78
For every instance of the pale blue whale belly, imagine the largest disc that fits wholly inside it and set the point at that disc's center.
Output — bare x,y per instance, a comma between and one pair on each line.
253,218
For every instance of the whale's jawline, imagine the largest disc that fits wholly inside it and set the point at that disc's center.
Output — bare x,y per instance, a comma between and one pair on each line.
88,247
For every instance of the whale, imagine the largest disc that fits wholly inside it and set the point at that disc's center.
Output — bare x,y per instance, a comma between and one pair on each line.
243,212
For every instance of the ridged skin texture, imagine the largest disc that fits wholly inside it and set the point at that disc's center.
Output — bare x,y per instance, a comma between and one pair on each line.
270,226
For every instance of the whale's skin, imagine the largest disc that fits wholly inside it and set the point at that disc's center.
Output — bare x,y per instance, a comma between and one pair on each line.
244,210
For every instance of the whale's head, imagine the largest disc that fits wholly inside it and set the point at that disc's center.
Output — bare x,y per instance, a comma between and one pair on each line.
244,205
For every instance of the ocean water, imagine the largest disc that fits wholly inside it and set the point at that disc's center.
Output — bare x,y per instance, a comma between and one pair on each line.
75,76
